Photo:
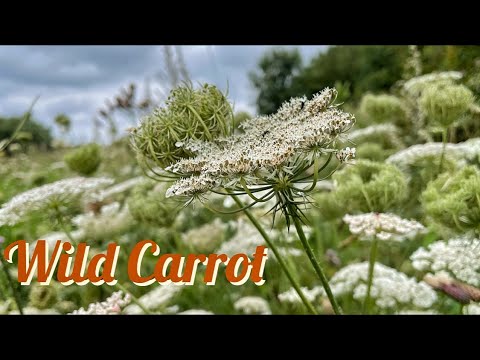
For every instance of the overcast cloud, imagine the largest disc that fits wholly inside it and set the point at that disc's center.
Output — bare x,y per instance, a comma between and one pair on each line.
77,80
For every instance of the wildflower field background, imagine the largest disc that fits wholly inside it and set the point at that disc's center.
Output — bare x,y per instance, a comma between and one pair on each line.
359,172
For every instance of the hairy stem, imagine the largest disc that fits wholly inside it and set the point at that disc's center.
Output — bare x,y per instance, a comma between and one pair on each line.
314,261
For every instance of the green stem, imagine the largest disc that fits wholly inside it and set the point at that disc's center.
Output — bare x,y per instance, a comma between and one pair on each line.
314,261
16,297
371,268
279,258
134,299
444,147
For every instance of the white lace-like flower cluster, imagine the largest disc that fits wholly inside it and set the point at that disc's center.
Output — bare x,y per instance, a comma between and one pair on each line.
383,226
52,238
470,149
415,85
346,154
111,306
196,312
252,305
390,288
291,296
459,257
389,131
245,240
115,189
154,299
417,312
206,238
406,157
472,309
38,198
110,220
268,142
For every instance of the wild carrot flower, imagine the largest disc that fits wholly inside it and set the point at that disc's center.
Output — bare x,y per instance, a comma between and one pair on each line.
386,227
111,306
390,288
290,296
111,220
54,195
155,299
252,305
459,257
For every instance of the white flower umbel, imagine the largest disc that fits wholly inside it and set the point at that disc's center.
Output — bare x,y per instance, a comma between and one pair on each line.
459,257
252,305
206,238
59,192
116,189
470,149
51,239
346,154
245,240
386,227
291,296
472,309
414,86
417,312
111,306
110,221
196,312
300,127
388,131
155,299
406,157
390,288
30,310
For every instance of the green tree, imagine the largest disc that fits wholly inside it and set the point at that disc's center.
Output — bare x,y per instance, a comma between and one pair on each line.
32,132
364,68
273,79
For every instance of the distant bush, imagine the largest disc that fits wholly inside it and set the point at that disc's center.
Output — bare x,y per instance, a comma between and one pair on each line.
84,160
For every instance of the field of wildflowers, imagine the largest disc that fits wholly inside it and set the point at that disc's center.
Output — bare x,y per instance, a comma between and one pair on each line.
368,209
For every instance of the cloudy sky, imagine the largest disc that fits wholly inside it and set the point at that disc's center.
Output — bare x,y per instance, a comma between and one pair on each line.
77,80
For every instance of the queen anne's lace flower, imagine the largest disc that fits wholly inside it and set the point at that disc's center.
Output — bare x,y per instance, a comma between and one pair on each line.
116,189
196,312
472,309
268,142
245,240
111,220
291,296
38,198
383,226
459,257
390,288
206,238
410,155
112,305
415,85
346,154
252,305
154,299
